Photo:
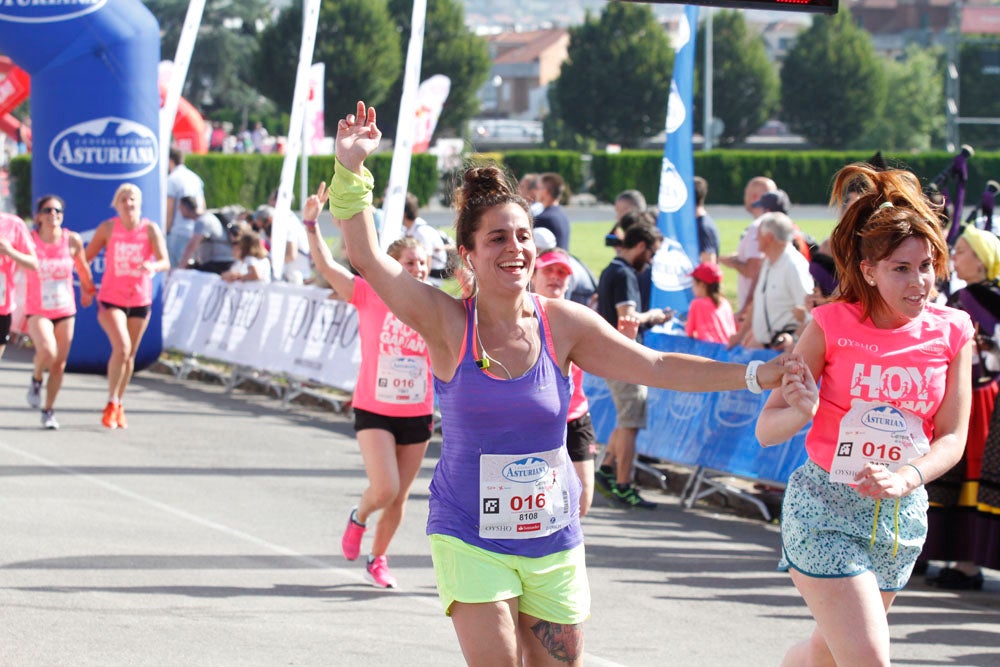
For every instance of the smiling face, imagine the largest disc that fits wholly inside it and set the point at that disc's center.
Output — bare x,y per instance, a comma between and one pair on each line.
968,267
504,249
414,260
50,213
905,281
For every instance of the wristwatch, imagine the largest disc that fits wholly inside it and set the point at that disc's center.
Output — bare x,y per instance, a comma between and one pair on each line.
751,377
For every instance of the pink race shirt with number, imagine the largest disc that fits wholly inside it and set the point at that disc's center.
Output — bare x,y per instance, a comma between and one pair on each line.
50,289
15,231
395,375
905,367
125,282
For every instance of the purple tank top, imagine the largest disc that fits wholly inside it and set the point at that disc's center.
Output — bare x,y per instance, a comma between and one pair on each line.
481,414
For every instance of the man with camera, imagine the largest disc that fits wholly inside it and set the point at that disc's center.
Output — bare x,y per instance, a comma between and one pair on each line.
778,305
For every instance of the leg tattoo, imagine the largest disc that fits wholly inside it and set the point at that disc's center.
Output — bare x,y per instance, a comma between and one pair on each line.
563,642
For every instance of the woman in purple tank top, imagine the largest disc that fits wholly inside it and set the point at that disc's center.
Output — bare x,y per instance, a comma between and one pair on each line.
504,520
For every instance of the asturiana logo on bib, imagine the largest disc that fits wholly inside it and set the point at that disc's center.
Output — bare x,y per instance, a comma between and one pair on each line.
46,11
529,469
105,148
885,419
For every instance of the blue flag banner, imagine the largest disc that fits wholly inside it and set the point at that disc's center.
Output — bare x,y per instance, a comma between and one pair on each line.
95,112
679,254
714,430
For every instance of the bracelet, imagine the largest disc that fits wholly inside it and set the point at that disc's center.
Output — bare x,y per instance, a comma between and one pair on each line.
918,472
350,193
310,224
751,376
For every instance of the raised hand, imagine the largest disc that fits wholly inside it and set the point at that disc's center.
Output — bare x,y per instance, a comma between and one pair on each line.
357,137
315,203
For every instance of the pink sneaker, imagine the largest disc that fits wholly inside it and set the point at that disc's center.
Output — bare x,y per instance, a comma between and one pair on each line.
378,572
350,543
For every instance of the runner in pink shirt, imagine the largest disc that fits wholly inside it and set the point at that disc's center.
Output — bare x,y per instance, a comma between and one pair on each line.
16,250
135,250
885,379
51,306
393,399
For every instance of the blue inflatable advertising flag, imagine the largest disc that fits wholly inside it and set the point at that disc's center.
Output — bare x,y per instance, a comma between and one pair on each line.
95,124
679,254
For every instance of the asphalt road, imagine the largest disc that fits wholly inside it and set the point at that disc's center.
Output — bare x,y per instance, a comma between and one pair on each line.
208,534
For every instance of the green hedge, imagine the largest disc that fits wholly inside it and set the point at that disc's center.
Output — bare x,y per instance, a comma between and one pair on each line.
805,175
249,179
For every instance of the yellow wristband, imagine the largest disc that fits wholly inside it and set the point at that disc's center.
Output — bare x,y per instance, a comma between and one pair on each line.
350,193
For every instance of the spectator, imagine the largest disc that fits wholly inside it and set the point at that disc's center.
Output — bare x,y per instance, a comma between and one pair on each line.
618,297
259,137
549,192
710,317
629,201
49,303
527,187
415,227
16,250
251,263
779,299
134,250
297,266
582,287
210,248
748,258
182,182
708,232
217,139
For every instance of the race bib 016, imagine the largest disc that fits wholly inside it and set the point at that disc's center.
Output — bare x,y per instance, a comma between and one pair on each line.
878,433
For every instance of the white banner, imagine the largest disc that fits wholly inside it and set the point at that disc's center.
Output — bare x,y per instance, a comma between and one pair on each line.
430,101
315,107
274,327
402,153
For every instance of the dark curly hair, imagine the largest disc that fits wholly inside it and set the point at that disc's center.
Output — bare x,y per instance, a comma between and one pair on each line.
483,187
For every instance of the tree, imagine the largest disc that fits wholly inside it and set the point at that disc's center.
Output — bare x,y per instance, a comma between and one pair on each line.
832,83
978,85
614,85
361,64
905,125
449,49
220,74
745,87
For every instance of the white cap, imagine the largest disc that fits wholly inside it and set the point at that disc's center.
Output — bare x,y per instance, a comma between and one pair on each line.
545,240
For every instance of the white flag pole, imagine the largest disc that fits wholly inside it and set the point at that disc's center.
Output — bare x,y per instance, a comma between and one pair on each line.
399,174
168,112
293,147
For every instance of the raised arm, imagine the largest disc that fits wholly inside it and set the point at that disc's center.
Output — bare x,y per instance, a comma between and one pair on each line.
340,279
586,339
434,314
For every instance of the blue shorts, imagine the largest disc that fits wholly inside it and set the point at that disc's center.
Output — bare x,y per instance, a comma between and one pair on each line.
826,530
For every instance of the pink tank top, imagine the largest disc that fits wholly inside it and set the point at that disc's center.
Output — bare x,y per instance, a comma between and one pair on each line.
50,289
905,367
578,403
125,283
395,375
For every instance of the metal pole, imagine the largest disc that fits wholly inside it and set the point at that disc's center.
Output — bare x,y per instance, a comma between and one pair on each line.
708,125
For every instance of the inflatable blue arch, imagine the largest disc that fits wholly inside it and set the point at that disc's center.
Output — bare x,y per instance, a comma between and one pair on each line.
95,120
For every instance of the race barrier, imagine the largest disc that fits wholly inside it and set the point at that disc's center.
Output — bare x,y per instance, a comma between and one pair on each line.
278,328
711,432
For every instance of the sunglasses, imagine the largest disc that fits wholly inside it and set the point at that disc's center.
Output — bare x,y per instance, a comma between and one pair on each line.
51,209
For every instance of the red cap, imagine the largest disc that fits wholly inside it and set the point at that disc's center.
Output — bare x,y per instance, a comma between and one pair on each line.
550,258
708,272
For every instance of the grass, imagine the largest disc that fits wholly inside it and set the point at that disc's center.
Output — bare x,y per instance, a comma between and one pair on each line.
587,244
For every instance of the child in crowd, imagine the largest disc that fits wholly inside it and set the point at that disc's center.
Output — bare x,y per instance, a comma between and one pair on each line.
710,316
251,262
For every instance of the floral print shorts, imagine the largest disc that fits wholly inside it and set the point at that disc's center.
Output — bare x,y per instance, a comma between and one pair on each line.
827,528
